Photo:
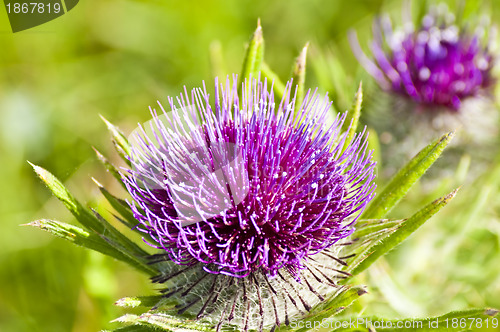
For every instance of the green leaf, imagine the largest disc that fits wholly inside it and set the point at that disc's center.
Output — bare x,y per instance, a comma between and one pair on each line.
368,232
405,229
94,222
254,56
60,191
139,301
83,238
352,118
110,168
336,304
134,328
299,77
119,140
74,234
368,228
332,306
278,86
401,183
470,319
166,322
119,205
127,217
374,145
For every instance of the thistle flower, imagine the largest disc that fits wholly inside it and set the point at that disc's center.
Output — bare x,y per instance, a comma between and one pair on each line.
249,201
438,64
439,75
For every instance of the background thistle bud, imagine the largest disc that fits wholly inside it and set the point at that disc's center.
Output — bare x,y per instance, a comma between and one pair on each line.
439,77
437,64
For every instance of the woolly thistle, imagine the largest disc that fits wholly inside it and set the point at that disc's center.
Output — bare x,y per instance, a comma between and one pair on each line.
439,75
250,200
438,64
252,209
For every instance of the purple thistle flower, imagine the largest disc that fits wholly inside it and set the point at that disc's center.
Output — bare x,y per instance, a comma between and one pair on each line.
436,65
244,195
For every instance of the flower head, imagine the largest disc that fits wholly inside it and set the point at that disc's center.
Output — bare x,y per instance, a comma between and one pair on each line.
249,198
438,64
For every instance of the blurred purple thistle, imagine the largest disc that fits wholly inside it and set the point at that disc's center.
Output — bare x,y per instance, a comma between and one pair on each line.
436,65
245,189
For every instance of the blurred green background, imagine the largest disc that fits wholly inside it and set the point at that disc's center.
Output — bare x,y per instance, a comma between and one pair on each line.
116,58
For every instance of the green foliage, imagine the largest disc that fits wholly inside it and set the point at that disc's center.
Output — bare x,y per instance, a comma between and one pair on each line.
164,322
110,168
254,56
119,140
79,237
299,77
270,75
351,122
140,301
125,248
135,328
120,206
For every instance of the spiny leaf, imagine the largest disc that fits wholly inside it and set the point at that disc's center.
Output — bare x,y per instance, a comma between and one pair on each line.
401,183
85,239
352,119
119,140
299,77
254,56
74,234
127,217
110,167
139,301
134,328
166,322
119,205
60,191
406,228
336,304
278,86
93,222
464,320
365,228
328,308
368,232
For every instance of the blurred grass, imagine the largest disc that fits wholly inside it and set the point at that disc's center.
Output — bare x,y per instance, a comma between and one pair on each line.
117,57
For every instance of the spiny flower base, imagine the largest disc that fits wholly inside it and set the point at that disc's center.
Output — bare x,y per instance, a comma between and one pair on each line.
255,302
